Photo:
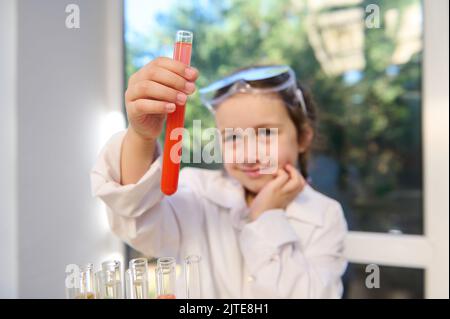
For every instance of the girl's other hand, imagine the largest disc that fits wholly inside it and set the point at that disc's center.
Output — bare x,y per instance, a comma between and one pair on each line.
154,91
279,192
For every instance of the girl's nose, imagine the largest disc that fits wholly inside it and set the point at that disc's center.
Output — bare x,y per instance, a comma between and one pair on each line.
251,156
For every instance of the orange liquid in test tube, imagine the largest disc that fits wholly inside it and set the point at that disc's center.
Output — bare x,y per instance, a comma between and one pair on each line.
166,297
175,120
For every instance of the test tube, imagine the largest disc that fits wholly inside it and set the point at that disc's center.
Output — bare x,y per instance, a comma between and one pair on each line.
128,288
111,280
171,158
165,278
192,277
137,279
99,281
86,282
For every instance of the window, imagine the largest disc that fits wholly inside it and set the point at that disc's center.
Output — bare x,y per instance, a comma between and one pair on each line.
395,283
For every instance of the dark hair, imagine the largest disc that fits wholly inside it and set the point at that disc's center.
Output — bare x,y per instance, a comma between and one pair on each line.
294,108
301,120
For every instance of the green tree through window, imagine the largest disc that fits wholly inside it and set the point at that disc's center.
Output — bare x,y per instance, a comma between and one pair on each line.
366,81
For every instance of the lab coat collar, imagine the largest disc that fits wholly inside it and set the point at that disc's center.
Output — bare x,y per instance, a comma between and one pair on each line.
227,192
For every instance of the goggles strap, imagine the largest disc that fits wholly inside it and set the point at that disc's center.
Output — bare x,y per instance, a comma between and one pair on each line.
301,99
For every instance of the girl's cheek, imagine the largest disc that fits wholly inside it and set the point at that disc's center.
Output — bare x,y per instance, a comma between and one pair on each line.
286,154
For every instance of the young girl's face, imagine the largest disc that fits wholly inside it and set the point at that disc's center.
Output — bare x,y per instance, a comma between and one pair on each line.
262,111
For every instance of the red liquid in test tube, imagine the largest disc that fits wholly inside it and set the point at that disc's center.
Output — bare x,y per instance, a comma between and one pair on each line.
172,158
166,297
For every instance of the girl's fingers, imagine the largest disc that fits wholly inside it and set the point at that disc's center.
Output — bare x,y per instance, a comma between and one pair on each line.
188,72
173,80
281,178
154,91
293,172
174,66
142,106
296,181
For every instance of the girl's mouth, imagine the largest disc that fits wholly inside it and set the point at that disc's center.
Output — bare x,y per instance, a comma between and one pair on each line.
253,172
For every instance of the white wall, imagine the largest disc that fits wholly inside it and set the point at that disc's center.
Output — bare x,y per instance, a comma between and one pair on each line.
8,213
64,77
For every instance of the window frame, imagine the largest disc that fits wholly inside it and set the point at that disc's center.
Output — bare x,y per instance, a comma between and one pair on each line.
429,251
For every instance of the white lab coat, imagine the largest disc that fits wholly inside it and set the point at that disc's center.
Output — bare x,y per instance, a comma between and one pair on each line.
296,253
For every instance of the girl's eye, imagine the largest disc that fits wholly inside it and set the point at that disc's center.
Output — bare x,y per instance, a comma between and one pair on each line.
231,138
266,132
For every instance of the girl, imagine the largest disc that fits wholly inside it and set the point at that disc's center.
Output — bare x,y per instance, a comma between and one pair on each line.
259,235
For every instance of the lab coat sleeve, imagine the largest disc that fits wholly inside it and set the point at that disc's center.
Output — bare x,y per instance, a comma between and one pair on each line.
140,214
279,268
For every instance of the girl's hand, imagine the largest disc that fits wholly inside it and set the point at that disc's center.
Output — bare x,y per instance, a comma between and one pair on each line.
154,91
279,192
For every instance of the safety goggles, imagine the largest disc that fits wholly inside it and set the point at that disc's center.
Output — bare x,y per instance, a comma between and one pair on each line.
255,80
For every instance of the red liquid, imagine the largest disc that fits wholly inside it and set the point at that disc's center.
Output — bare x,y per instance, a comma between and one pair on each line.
166,297
171,169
